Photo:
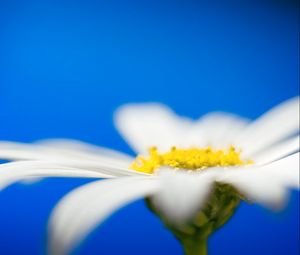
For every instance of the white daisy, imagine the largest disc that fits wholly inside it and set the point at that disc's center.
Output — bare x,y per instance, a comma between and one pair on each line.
193,178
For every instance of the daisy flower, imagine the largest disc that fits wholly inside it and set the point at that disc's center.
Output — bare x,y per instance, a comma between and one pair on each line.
193,174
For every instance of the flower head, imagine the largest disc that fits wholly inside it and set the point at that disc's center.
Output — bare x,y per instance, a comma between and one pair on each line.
190,171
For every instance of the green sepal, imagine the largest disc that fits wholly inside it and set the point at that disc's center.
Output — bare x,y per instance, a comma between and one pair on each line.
218,209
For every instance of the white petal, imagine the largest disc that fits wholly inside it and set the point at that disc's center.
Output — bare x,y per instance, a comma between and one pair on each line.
16,171
18,151
266,184
217,129
146,125
286,170
182,193
23,151
257,188
83,209
277,124
82,149
278,151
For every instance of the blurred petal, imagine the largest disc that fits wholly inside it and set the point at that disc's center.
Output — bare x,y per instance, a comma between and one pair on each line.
266,185
146,125
48,148
286,170
182,193
278,151
277,124
258,187
86,207
218,129
18,151
79,148
15,171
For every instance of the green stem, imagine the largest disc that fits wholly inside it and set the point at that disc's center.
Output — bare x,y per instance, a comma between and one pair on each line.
195,246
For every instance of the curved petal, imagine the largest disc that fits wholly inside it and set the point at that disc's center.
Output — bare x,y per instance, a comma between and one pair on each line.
61,148
277,124
146,125
268,184
79,148
218,129
257,187
278,151
18,151
286,170
16,171
182,193
84,208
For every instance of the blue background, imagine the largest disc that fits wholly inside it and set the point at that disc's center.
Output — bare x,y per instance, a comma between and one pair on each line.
66,65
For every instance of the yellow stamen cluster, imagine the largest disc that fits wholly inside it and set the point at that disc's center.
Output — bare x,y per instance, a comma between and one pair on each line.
190,159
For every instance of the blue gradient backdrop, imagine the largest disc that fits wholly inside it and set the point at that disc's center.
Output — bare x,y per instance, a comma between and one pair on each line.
66,65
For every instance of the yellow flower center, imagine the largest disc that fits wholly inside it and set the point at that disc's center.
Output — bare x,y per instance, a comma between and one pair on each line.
189,159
